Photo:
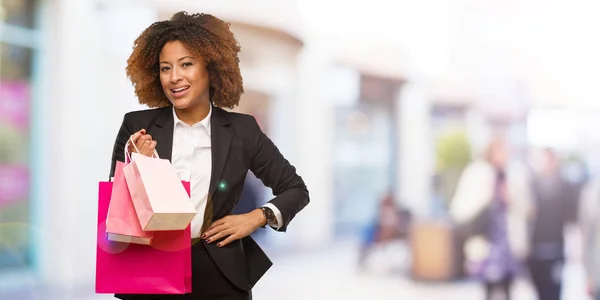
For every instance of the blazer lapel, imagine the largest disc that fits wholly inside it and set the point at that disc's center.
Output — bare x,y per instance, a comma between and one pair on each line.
220,142
163,134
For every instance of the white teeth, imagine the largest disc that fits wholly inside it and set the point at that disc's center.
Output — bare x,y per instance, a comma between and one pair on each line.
179,89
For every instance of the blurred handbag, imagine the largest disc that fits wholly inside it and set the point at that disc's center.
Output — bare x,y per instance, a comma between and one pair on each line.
165,267
160,201
122,223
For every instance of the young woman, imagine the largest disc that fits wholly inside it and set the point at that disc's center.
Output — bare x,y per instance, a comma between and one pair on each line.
188,68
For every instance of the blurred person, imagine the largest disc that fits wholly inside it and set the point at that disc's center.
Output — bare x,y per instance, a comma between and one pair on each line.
589,220
555,201
390,224
490,208
188,69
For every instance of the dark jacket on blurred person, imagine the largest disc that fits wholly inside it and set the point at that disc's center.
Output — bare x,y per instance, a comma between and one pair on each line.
555,201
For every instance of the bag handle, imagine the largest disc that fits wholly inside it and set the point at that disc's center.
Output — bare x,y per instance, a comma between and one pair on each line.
128,156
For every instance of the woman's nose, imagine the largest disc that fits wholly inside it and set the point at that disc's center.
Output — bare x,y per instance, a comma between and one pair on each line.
175,76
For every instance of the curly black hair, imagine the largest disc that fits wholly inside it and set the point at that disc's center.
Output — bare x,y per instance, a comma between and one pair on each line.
203,35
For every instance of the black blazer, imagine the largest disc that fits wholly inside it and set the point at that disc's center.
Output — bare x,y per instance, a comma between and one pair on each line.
238,145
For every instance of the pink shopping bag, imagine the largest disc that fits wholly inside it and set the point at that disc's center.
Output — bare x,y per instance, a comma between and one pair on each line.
160,201
122,224
121,268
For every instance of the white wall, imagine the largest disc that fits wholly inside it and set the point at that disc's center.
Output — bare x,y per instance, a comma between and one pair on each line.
314,129
415,163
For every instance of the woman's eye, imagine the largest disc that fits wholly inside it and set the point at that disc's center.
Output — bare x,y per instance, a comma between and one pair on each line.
187,64
164,69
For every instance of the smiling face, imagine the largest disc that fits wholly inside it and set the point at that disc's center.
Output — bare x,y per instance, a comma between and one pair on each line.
183,76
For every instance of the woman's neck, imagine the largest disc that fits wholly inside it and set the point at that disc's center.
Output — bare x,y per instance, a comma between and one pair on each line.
195,114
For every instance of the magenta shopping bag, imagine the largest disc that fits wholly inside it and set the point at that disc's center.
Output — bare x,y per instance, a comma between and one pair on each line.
122,268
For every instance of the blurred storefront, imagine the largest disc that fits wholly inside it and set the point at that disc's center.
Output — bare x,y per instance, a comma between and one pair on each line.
366,151
19,45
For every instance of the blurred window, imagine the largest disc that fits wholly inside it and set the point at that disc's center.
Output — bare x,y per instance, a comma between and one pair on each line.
16,67
18,12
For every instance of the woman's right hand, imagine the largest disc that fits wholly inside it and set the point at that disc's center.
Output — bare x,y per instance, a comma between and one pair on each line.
143,142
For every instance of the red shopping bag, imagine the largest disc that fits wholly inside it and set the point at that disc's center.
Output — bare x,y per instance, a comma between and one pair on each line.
123,268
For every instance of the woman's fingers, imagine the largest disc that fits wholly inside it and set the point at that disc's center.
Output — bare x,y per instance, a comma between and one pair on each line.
143,146
228,240
135,140
219,235
137,135
142,143
151,148
214,230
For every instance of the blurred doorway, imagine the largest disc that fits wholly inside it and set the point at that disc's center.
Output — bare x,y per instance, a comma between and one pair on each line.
365,153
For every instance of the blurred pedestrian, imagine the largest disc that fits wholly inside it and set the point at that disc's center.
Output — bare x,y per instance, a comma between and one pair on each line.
490,208
555,206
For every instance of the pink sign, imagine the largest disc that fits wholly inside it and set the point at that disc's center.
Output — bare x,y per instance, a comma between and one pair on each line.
14,103
14,184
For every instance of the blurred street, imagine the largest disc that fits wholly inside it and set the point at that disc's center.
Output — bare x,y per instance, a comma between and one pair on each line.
330,274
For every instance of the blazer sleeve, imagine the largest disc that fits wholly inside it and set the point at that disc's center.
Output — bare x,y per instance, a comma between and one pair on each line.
122,137
269,165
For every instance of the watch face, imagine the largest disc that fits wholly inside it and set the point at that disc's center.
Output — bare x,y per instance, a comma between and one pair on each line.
269,215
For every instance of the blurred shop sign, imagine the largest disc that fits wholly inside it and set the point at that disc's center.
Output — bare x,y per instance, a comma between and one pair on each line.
13,184
14,103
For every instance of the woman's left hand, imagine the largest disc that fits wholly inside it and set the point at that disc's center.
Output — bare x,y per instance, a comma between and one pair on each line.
234,227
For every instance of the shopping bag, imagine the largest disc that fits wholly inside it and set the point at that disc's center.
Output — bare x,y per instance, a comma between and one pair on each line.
122,268
160,201
122,223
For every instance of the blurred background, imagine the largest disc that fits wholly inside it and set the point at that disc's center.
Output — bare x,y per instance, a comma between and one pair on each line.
445,144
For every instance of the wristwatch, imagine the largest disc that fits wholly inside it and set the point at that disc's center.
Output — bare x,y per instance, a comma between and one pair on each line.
269,215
